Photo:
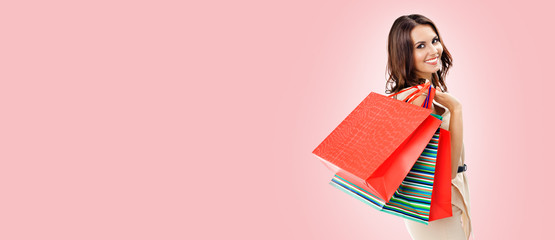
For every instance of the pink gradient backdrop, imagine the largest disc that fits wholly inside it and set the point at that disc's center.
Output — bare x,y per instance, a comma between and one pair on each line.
172,120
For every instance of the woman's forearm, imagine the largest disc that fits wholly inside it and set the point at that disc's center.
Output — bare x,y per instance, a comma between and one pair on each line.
456,131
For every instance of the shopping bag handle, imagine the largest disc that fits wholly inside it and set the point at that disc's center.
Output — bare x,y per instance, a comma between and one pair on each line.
413,96
429,95
425,87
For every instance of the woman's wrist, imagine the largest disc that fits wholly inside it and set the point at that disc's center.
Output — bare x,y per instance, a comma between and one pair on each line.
456,108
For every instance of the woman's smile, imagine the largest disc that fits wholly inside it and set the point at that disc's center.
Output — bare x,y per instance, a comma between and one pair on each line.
433,61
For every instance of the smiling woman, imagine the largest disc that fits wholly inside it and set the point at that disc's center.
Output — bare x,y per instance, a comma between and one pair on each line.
412,40
427,51
417,54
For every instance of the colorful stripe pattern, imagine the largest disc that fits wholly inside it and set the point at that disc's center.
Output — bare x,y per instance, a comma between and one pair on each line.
412,200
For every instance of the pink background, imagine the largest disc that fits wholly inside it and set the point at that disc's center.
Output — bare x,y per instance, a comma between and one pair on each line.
172,120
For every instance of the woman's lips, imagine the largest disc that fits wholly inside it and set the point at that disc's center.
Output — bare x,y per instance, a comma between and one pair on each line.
434,61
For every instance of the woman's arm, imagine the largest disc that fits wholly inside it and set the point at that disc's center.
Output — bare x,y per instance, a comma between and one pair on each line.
455,127
456,131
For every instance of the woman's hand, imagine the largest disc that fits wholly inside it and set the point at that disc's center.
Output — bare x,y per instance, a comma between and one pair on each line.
447,100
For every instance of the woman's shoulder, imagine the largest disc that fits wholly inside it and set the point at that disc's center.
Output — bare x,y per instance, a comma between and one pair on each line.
403,93
408,90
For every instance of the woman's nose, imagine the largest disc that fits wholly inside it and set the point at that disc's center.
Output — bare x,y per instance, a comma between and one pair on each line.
434,50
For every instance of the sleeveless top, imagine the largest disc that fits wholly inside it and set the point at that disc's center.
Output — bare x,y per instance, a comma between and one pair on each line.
460,194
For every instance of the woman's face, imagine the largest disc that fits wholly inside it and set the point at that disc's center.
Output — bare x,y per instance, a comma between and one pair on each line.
426,47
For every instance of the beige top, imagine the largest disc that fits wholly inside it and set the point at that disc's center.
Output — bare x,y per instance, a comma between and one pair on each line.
459,183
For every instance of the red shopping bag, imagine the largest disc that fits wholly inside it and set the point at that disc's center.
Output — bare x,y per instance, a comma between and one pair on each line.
441,193
376,145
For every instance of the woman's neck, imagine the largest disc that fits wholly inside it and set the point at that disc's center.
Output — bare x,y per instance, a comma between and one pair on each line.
426,76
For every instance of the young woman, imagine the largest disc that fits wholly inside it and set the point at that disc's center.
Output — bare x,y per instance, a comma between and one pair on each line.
417,54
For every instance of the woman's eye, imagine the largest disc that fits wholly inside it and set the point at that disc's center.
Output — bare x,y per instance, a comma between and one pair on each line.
433,41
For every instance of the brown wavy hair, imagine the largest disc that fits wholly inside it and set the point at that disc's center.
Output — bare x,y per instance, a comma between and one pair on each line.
400,51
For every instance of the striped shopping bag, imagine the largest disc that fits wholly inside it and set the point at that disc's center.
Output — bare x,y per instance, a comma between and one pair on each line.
413,198
375,146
